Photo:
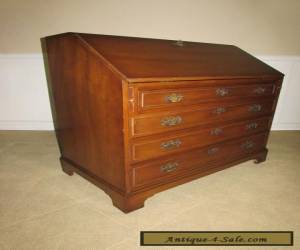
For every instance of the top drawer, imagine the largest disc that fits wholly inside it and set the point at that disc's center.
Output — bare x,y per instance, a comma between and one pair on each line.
173,97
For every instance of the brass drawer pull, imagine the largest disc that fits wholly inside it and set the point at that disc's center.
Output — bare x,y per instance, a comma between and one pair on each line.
247,145
169,167
171,121
174,98
251,126
212,151
255,108
219,110
259,90
222,91
216,131
171,144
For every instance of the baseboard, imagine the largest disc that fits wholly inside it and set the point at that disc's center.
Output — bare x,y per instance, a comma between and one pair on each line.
26,125
285,126
24,101
48,125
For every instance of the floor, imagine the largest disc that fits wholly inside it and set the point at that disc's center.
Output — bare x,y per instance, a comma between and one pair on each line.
43,208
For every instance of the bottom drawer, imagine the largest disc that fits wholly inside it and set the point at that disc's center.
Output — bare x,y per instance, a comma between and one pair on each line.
204,158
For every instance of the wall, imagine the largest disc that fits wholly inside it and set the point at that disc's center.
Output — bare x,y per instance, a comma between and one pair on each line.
24,102
258,26
25,105
268,29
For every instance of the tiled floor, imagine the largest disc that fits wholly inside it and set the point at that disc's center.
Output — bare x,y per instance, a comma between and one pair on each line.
43,208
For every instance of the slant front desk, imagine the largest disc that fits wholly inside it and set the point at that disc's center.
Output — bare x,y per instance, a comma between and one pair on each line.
136,116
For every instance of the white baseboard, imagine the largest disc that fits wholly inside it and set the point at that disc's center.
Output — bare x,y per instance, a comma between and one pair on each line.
285,126
24,102
26,125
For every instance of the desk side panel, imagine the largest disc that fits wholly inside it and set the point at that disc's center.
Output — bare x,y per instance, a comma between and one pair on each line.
87,99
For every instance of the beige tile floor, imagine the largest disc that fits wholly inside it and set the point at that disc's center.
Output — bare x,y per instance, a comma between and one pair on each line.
42,208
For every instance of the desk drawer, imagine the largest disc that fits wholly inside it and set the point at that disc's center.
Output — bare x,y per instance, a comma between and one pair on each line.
162,98
151,124
144,150
200,159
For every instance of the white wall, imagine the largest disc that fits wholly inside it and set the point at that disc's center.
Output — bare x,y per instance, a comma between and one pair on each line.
24,102
287,115
261,27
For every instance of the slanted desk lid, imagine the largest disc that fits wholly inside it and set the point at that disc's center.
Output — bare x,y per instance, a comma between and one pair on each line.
141,59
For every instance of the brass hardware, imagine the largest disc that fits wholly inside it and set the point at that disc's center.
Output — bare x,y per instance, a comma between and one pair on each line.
171,121
247,145
216,131
179,43
252,125
169,167
174,97
259,90
219,110
222,91
171,144
212,151
255,108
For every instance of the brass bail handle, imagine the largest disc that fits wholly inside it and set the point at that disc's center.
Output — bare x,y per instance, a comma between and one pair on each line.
222,91
171,144
171,121
247,145
174,97
255,108
169,167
